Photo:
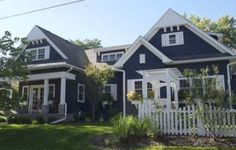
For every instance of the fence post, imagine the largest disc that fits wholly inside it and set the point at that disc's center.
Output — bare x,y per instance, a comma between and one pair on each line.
200,128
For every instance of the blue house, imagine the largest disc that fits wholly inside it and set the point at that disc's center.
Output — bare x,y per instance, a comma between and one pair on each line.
153,62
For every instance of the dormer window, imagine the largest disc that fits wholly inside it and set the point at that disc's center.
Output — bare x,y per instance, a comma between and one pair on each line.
109,57
40,53
171,39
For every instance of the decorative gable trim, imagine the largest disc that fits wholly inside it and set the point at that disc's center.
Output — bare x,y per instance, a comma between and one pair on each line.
172,18
36,34
141,41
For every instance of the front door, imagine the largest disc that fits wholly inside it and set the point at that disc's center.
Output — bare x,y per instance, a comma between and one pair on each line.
36,98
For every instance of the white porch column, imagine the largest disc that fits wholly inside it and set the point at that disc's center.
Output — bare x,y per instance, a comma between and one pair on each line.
168,92
144,86
45,96
176,94
45,107
63,91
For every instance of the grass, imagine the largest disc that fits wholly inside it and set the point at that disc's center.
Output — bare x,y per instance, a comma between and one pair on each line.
50,137
59,137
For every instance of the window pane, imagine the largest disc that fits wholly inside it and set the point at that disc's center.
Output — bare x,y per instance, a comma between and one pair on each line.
184,84
41,53
51,93
112,57
105,57
138,87
172,39
34,54
118,56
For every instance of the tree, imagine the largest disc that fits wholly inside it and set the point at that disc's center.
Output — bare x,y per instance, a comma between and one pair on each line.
13,66
88,44
225,25
206,98
96,79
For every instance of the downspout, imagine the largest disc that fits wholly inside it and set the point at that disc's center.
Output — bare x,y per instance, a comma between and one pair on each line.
65,113
124,89
229,77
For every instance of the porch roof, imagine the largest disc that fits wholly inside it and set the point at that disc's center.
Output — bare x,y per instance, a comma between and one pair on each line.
160,73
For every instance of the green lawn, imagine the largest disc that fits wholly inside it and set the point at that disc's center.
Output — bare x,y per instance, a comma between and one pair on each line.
49,137
56,137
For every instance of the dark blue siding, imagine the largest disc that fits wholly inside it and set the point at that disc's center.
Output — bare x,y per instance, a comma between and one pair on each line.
54,56
194,47
133,65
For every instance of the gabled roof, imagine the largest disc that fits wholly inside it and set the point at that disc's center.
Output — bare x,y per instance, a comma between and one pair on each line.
111,48
70,52
172,18
141,41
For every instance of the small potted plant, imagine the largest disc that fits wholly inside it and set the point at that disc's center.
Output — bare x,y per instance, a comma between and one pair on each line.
134,98
151,94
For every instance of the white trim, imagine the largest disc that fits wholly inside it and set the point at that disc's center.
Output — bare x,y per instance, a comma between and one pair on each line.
111,53
179,39
201,60
22,91
141,41
78,92
53,75
142,58
172,18
37,34
51,65
111,48
46,52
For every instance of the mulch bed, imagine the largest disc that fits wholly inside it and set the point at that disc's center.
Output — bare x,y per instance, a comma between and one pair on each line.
180,141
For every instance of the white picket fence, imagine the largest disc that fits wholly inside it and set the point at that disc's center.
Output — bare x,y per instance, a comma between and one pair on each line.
184,121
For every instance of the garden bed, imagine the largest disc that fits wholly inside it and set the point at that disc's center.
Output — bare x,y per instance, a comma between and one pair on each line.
103,141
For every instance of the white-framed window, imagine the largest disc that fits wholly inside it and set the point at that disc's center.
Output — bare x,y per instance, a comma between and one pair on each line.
171,39
112,90
25,93
185,83
109,57
51,91
81,93
142,58
137,86
40,53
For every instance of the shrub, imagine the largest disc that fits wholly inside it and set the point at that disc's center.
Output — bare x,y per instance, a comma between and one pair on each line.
128,127
39,120
19,119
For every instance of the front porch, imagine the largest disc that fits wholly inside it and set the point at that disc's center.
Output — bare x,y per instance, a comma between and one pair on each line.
45,93
164,83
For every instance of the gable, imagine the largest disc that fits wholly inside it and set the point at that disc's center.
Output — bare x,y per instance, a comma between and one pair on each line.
53,54
141,41
171,19
194,47
132,64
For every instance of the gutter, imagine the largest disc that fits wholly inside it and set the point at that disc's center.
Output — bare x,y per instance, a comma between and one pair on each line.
124,89
65,113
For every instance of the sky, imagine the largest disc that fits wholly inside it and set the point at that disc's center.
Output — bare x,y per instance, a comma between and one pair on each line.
114,22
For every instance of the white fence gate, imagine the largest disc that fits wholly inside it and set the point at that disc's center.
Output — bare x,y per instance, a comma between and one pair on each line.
184,121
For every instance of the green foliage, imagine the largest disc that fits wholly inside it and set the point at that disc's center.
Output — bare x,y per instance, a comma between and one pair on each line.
16,119
13,66
205,99
128,127
96,79
106,97
134,96
88,44
51,119
225,25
